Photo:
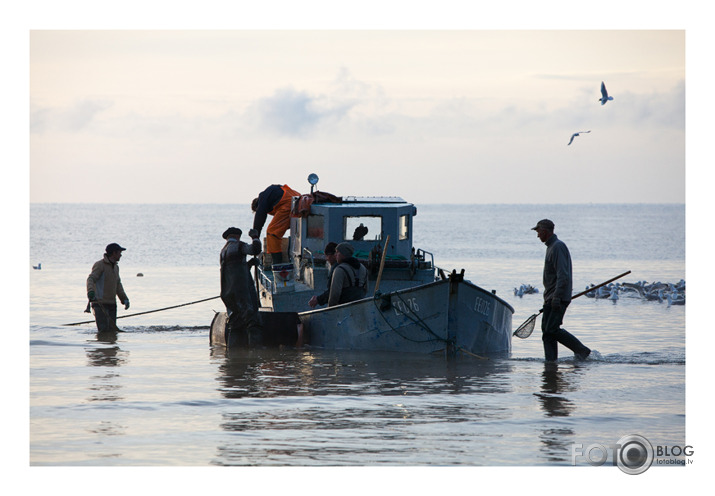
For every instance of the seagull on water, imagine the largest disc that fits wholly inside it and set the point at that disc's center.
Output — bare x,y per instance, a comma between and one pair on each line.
576,134
614,295
604,94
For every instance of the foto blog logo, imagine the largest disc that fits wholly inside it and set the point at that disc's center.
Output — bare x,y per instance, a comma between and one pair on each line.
633,454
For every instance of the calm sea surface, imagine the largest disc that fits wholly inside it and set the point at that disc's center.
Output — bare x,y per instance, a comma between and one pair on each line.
160,396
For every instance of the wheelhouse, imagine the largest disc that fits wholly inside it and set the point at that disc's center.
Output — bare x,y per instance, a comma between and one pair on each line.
363,222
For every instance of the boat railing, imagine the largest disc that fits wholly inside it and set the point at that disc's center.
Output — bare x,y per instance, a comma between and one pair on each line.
440,272
421,255
309,258
266,281
306,260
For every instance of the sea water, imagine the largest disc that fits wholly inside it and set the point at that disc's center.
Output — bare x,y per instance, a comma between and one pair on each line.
159,395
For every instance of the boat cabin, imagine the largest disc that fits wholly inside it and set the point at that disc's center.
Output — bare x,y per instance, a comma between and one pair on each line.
363,222
371,225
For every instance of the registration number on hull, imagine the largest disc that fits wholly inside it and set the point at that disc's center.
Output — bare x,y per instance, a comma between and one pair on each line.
405,306
482,306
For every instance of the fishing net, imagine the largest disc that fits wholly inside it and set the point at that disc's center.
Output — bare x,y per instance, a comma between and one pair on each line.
525,329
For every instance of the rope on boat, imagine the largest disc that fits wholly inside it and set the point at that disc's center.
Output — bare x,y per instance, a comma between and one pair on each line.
416,320
463,350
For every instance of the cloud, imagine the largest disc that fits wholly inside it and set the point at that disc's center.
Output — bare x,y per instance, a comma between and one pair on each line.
294,113
39,119
80,115
346,102
665,109
72,119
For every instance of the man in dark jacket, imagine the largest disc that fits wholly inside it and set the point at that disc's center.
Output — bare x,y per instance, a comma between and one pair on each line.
349,282
330,255
104,286
238,292
558,287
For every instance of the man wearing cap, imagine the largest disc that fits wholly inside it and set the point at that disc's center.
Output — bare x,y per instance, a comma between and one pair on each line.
557,294
104,286
238,292
349,282
275,200
330,255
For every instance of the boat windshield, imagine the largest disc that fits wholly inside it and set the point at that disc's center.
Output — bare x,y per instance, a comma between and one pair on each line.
362,228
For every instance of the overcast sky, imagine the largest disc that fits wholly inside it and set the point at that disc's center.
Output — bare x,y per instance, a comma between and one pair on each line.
438,116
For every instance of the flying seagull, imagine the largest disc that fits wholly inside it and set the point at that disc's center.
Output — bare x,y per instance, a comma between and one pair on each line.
576,134
604,94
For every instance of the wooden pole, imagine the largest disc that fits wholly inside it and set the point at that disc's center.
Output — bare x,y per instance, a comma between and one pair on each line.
382,265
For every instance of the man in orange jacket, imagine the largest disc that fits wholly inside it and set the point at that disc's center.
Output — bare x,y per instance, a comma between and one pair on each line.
275,200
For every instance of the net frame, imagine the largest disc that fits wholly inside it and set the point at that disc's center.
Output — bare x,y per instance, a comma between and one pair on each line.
525,329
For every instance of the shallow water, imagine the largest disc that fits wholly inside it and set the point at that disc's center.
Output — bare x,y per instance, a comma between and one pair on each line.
114,402
158,395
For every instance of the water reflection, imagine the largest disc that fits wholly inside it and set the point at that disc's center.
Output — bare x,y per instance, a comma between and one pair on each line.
275,373
354,408
106,387
556,380
106,356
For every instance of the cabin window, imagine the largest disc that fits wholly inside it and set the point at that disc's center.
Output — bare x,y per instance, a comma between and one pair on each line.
315,226
404,227
362,228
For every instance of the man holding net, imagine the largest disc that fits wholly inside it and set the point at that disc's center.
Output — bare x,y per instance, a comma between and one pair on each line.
557,294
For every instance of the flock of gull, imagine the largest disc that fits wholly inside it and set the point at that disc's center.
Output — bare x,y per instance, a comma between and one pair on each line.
525,289
672,293
661,292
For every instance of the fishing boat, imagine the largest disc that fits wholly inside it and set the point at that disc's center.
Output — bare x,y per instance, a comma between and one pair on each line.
411,305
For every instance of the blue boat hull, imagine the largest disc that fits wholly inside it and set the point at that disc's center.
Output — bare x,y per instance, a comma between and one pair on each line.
444,316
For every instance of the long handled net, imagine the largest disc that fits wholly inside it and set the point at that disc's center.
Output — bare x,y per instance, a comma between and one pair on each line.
525,329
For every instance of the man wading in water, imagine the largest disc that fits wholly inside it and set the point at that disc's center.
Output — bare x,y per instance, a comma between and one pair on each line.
238,292
103,288
557,294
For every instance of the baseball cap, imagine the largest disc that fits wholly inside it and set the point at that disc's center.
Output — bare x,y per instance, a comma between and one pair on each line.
346,249
112,247
544,224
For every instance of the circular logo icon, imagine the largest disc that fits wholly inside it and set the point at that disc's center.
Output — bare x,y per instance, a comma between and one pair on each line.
635,455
